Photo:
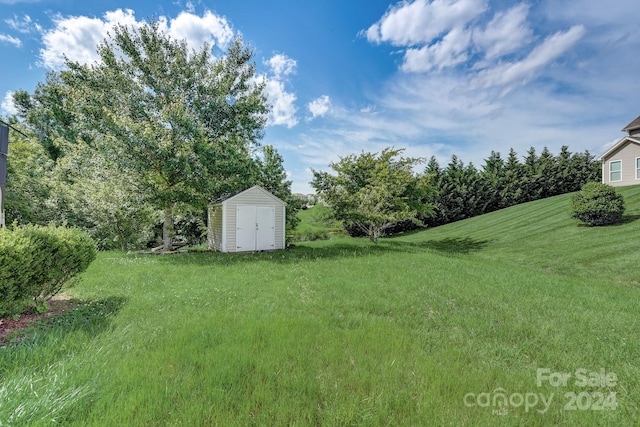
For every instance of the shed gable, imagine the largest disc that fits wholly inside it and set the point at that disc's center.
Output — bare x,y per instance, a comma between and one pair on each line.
254,195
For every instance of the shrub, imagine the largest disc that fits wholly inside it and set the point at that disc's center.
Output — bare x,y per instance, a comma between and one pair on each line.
597,204
36,262
16,259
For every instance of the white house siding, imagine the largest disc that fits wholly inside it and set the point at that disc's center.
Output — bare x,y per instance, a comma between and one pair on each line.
254,196
627,152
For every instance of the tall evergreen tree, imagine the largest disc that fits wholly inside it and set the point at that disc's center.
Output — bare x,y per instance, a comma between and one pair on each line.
512,193
462,192
546,174
564,177
494,176
585,169
529,184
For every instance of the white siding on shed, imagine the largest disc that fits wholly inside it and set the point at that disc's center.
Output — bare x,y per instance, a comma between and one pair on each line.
215,227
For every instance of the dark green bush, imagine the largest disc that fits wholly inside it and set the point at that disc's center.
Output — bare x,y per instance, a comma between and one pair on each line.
597,204
16,259
36,262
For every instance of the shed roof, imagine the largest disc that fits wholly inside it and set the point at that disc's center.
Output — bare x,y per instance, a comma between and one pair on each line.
633,125
237,193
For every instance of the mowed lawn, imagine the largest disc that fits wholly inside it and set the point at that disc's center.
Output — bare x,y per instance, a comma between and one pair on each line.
518,317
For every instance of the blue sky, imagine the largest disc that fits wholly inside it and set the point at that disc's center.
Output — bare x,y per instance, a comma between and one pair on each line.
436,77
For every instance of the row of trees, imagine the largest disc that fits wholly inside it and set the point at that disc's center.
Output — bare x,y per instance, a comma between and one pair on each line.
463,191
151,132
380,193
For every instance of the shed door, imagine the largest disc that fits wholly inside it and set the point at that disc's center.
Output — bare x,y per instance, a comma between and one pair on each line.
255,228
265,228
245,228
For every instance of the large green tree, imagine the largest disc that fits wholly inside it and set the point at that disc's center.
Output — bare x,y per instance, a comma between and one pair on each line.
28,183
273,177
181,122
374,191
463,193
48,114
89,191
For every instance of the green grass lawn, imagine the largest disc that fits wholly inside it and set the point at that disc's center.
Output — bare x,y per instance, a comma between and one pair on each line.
316,224
428,328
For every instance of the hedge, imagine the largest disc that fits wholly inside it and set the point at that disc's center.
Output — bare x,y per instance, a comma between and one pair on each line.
37,261
597,204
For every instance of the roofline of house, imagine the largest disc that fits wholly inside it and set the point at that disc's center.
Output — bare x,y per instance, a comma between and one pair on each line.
635,124
617,145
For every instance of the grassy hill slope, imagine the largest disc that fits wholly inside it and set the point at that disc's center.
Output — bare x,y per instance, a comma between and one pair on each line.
429,328
542,235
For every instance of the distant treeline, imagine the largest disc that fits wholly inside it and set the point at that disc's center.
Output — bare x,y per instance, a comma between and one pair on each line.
464,191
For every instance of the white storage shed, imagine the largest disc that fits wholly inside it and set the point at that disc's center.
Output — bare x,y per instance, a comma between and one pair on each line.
252,220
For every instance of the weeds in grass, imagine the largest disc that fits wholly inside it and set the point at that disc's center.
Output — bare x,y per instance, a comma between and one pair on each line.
40,398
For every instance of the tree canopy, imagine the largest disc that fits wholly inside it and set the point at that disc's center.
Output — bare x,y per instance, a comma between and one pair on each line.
181,122
152,126
374,191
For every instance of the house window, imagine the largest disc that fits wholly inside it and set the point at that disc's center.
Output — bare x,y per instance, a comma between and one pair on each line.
615,171
637,167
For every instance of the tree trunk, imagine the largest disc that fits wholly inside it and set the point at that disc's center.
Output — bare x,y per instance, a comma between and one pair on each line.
167,228
374,233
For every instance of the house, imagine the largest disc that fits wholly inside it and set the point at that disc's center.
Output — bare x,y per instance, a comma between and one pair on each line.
621,163
252,220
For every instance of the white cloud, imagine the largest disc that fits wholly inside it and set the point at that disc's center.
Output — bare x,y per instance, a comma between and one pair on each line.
464,121
448,52
455,34
281,65
24,25
368,109
563,73
77,37
7,105
421,21
197,30
11,40
283,108
320,106
523,71
505,33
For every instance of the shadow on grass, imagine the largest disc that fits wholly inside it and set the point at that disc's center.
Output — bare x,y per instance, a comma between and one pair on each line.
458,245
92,318
626,219
332,250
